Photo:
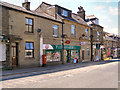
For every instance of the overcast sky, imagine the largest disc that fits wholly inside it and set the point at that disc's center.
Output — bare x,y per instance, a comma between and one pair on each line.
105,10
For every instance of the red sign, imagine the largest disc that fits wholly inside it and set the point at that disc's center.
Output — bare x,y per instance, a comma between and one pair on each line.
67,42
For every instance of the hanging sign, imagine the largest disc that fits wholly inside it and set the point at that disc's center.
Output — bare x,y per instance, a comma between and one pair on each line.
67,42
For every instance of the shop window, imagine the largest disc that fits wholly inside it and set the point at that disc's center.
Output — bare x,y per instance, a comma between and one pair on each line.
29,25
73,30
29,49
86,31
64,12
55,30
74,54
53,56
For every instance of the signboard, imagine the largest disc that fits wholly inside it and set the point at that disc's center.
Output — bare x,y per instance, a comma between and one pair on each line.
83,43
67,42
67,47
94,46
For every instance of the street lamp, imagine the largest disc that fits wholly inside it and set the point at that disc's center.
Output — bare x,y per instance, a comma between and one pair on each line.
63,36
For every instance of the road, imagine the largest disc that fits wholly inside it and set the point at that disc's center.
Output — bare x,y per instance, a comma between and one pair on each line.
96,76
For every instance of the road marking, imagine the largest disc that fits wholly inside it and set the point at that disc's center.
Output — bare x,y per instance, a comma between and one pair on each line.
90,70
68,75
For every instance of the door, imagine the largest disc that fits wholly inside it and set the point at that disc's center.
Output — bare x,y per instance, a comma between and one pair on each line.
14,52
68,56
83,52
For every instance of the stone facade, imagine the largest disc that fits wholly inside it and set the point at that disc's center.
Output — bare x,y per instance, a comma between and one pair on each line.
45,19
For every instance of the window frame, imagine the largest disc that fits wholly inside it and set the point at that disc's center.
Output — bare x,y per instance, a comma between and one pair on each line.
86,32
55,29
98,35
29,49
63,13
73,29
28,25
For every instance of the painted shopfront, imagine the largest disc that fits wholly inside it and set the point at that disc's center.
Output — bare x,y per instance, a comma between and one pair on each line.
53,53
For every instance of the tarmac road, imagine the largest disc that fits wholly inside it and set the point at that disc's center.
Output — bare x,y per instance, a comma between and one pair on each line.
95,76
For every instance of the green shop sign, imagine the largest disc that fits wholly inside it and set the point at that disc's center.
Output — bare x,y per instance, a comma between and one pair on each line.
67,47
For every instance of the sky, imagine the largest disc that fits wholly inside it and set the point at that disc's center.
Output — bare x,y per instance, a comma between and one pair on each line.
105,10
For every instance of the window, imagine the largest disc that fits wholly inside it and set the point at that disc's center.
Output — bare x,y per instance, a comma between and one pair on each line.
98,36
64,13
73,30
53,56
29,25
74,54
55,30
29,49
88,51
86,31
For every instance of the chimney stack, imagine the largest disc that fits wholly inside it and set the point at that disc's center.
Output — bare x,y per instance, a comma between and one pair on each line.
81,12
26,4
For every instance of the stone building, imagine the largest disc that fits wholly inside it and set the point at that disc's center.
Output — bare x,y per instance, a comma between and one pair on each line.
75,30
51,30
23,28
111,45
97,37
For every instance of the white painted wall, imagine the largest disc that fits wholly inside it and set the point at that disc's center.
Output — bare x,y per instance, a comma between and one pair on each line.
41,50
2,52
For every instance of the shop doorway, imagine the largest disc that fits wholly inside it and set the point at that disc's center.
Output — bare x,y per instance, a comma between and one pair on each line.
83,52
14,52
68,56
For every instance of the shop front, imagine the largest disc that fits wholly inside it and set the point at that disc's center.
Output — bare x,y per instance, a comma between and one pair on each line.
54,53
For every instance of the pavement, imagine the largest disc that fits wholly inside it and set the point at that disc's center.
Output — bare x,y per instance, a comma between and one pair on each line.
20,73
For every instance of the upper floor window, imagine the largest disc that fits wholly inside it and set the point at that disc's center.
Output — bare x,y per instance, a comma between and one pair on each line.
64,13
86,32
98,36
29,25
29,49
55,30
88,51
73,30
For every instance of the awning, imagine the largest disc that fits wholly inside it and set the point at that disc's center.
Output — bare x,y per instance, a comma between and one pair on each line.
47,46
67,47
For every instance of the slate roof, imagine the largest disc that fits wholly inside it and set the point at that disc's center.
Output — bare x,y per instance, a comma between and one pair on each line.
74,17
78,19
109,39
15,7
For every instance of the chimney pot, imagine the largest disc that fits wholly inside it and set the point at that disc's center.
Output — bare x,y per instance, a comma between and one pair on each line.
26,5
81,12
